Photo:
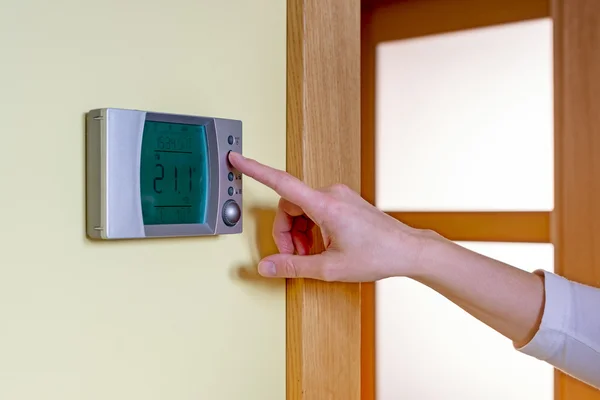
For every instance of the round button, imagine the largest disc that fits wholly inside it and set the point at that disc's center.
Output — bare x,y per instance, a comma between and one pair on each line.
230,139
230,177
231,213
230,191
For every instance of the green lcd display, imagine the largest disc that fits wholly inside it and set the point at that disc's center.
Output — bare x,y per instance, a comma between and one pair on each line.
174,173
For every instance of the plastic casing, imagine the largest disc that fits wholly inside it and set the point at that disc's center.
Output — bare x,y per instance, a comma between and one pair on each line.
114,145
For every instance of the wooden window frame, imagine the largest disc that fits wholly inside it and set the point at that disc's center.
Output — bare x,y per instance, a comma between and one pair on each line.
571,226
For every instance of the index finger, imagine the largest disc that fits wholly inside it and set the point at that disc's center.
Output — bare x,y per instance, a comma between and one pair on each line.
284,184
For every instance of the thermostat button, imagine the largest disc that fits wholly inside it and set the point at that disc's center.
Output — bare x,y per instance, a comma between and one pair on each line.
231,213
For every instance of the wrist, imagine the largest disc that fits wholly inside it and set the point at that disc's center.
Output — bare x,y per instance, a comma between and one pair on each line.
433,249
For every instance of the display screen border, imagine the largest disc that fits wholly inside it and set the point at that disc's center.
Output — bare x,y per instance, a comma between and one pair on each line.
212,203
199,154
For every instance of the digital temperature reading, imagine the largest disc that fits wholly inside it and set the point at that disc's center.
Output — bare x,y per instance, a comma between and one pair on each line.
153,175
174,173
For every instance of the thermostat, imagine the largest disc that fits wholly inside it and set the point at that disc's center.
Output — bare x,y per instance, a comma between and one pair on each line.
153,174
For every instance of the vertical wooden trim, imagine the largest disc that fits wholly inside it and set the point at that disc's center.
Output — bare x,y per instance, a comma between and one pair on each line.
368,387
323,148
368,341
368,83
576,218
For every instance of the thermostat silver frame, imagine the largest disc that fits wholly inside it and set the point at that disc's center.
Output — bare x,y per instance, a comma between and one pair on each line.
114,145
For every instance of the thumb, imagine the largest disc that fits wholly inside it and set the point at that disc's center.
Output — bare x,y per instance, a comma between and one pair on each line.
292,266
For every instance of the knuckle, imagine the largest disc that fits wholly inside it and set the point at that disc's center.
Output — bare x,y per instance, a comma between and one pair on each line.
329,274
276,185
289,268
279,180
340,188
330,271
429,233
334,207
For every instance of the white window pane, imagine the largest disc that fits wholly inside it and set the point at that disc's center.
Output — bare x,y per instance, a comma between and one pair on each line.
464,121
429,349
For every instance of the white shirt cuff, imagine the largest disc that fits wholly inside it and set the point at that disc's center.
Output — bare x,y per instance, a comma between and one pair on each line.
557,309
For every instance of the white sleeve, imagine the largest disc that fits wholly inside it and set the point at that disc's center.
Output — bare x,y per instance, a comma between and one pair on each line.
569,334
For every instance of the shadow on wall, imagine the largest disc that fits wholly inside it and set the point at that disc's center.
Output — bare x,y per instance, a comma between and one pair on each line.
262,245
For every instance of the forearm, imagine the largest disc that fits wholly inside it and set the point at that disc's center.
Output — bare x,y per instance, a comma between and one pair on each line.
506,298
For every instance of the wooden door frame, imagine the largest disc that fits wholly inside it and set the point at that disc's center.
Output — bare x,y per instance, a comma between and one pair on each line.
323,148
576,216
570,227
324,348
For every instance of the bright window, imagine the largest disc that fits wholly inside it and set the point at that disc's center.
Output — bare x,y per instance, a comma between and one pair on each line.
464,120
430,349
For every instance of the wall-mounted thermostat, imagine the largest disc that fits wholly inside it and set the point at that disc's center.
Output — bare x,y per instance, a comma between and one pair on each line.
161,175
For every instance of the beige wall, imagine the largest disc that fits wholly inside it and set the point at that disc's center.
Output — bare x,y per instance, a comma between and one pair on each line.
155,319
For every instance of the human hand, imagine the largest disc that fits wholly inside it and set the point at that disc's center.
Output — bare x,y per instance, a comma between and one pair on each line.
361,243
